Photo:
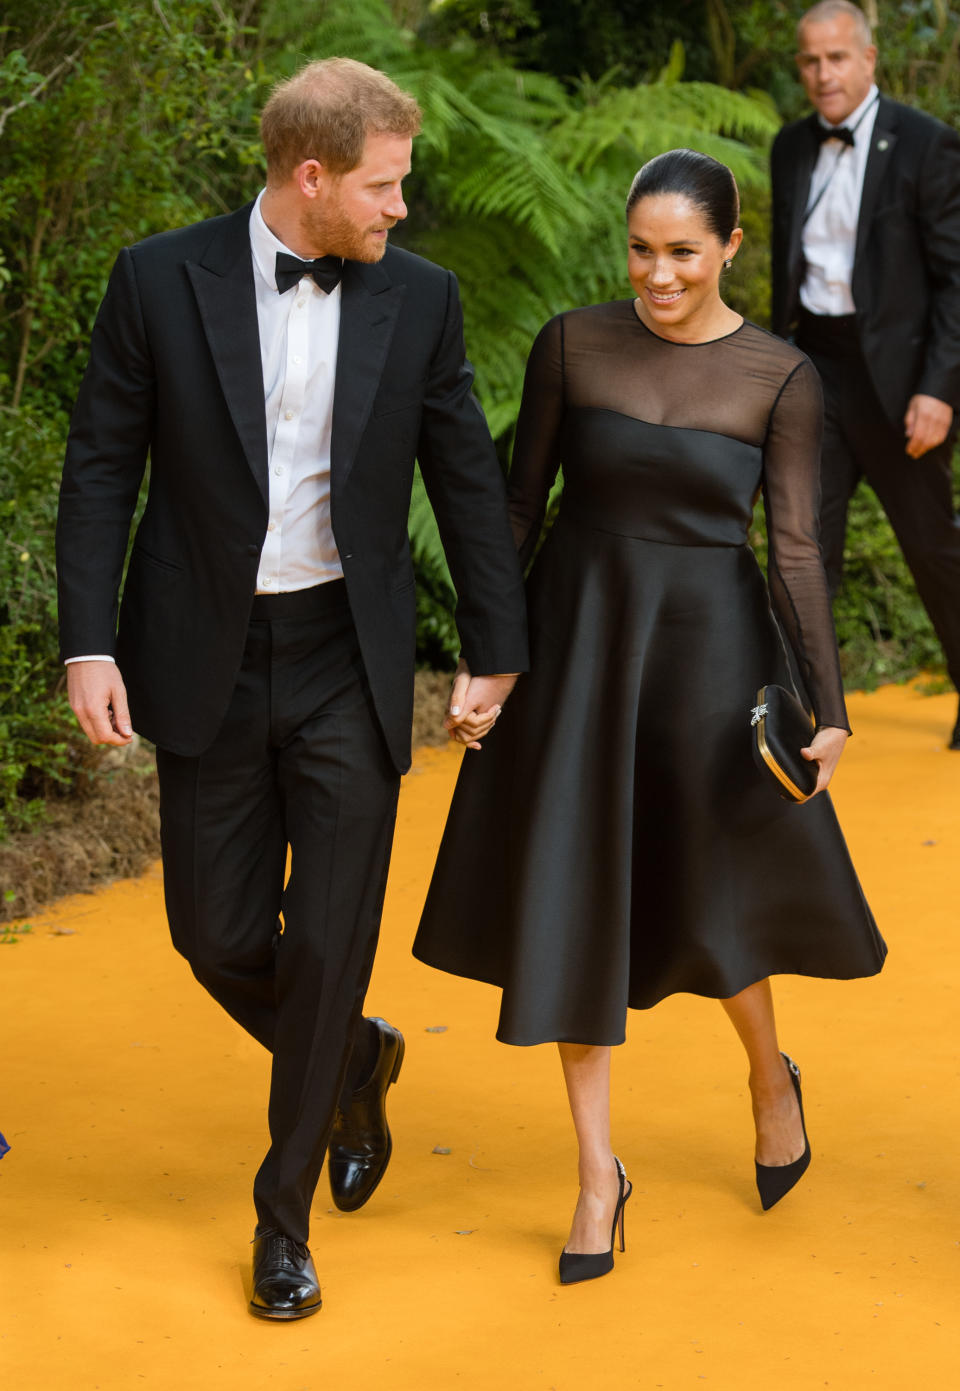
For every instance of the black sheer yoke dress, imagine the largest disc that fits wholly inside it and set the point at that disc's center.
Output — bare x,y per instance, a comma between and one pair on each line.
613,842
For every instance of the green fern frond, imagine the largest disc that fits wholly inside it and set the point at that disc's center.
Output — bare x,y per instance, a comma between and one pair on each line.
533,193
425,544
519,184
667,115
362,29
672,70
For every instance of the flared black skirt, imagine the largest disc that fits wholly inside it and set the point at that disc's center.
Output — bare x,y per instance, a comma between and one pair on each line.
613,842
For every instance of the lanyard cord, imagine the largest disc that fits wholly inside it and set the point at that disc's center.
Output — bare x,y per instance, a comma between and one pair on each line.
836,163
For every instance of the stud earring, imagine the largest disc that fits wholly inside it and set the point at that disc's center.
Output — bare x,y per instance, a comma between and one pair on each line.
727,264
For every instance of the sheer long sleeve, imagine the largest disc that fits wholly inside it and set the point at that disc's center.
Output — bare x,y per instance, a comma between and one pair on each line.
536,450
795,574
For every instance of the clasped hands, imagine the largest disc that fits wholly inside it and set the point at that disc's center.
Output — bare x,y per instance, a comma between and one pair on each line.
474,704
99,701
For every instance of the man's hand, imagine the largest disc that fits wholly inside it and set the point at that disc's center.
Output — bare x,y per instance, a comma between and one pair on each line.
98,698
927,423
825,749
475,702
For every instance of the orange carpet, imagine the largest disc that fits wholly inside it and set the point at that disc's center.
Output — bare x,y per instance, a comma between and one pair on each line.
135,1112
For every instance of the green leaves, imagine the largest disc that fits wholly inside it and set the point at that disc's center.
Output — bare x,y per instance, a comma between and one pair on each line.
117,121
38,738
138,120
883,628
10,934
438,644
645,120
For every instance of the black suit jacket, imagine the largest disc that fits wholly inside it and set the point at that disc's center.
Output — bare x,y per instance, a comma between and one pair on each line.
906,273
175,372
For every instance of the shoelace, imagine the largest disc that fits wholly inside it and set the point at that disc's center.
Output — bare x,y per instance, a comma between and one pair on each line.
287,1250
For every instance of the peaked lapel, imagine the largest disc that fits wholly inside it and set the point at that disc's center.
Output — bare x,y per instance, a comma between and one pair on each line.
370,303
883,142
223,283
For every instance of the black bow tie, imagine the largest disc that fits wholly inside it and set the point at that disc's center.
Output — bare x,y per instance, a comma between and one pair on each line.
326,271
842,133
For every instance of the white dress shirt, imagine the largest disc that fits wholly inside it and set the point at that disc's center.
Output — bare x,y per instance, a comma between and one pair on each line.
299,332
830,232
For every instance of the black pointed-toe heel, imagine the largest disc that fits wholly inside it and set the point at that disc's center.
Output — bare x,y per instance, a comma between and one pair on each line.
774,1181
576,1265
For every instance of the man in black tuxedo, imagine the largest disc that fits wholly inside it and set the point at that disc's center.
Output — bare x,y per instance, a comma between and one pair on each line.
866,276
283,367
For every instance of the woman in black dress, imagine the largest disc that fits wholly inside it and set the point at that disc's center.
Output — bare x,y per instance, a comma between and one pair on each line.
613,843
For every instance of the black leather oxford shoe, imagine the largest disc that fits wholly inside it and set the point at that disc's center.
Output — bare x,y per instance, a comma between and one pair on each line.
360,1144
285,1284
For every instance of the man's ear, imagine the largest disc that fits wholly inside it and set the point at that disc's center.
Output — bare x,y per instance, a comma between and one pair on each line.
310,177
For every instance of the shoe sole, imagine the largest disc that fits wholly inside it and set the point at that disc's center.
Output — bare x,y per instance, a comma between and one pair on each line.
283,1315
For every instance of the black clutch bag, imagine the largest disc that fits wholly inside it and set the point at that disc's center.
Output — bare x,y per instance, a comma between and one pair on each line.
781,728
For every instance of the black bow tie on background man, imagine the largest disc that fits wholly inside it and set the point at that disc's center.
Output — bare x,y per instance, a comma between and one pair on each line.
290,270
842,133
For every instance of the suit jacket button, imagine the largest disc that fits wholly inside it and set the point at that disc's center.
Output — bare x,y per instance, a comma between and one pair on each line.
253,550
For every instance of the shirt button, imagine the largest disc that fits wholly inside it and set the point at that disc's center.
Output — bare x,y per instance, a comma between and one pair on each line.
301,303
279,470
271,526
297,358
288,415
267,581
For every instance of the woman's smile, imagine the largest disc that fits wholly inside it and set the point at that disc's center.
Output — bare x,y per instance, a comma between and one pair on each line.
674,262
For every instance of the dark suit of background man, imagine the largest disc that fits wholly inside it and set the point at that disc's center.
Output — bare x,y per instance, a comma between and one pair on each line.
866,274
267,630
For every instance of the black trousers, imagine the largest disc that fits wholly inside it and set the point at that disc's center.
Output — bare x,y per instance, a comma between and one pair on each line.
299,762
917,494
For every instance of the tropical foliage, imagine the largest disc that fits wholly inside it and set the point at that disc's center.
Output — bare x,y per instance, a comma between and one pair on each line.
114,123
519,187
519,179
121,119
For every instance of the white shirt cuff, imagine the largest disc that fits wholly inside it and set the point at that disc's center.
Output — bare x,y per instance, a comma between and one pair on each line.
68,661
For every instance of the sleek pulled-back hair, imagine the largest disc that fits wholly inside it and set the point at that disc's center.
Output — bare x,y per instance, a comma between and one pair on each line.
708,184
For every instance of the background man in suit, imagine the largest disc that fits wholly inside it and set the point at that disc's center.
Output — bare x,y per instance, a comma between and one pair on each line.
267,630
866,275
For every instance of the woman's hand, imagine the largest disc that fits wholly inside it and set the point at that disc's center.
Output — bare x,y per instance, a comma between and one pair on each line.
825,748
474,705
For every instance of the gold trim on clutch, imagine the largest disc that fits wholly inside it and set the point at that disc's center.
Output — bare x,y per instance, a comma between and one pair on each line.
796,792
